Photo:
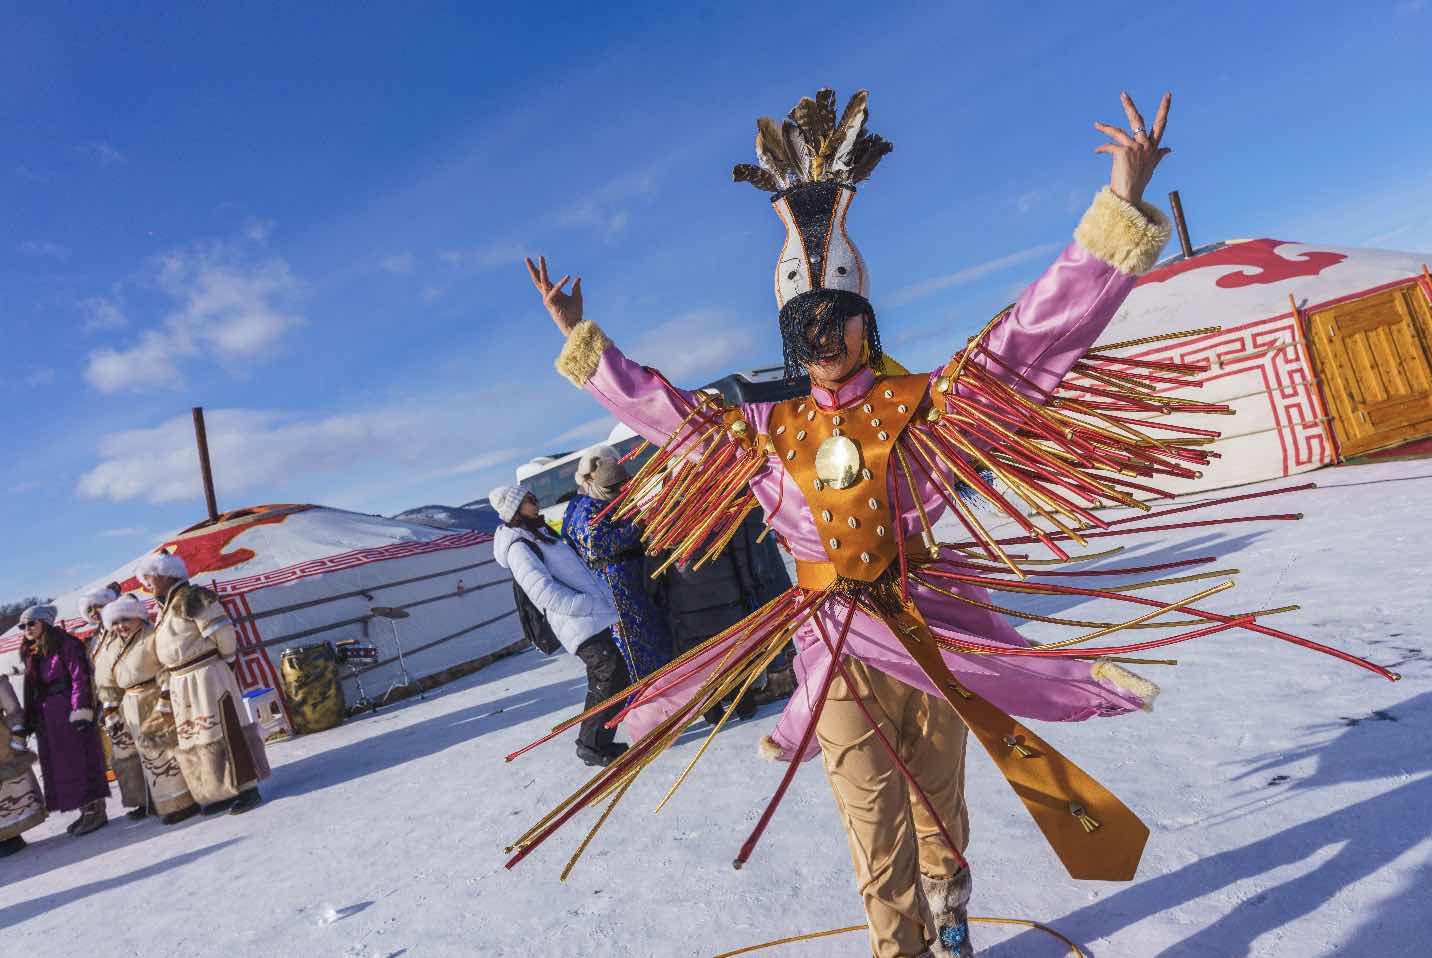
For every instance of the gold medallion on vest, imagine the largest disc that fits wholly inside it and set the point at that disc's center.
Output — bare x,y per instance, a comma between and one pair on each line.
841,458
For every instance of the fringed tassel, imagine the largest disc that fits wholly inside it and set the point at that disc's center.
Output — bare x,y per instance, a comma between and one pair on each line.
692,496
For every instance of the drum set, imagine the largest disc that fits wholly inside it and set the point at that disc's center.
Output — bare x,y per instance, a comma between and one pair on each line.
352,655
357,657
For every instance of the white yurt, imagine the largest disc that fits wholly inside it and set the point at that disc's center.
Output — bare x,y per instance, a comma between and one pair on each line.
298,575
1322,352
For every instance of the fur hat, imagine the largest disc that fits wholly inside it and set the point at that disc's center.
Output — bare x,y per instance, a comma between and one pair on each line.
600,473
98,597
164,564
507,500
124,607
38,613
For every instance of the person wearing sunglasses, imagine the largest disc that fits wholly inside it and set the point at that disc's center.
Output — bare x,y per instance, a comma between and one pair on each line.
60,711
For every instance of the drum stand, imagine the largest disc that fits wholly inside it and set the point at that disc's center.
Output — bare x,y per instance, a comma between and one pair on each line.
392,614
364,703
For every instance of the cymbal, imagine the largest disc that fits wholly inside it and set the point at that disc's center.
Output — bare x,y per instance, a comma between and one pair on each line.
389,612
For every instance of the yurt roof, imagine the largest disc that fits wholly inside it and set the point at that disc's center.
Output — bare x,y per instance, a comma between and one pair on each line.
268,543
1243,281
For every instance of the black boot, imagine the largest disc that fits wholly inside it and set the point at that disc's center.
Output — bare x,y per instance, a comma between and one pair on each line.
594,756
135,814
248,799
217,808
12,845
174,818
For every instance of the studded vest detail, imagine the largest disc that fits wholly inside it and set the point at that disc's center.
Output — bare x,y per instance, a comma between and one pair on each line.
845,482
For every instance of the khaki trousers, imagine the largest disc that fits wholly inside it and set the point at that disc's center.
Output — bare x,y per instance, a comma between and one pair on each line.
893,839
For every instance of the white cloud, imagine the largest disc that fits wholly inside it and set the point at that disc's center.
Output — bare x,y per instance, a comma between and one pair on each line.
104,152
45,248
229,306
592,430
102,314
606,210
487,460
477,259
117,533
438,443
968,274
1027,202
152,363
399,264
1411,7
701,341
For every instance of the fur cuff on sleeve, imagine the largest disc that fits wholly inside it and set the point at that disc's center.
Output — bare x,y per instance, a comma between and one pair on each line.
1127,237
770,751
82,715
1126,681
579,358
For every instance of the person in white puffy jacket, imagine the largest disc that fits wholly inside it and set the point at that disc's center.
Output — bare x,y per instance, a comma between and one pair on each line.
577,603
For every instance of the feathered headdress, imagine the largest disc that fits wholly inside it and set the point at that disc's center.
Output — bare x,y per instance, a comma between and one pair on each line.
811,162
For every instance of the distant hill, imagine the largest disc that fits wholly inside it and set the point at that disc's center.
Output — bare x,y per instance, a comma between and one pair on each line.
478,516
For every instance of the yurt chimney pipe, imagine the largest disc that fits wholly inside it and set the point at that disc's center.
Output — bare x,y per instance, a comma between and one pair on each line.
1181,223
201,437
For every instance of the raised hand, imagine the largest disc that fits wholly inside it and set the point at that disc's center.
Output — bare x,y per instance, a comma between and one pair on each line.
1136,152
564,308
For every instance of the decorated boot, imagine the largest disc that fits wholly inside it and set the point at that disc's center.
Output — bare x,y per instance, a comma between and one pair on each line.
949,900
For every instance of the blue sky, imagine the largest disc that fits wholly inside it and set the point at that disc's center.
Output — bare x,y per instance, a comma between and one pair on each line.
309,218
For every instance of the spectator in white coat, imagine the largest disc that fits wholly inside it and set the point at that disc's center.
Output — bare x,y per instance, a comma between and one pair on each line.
577,603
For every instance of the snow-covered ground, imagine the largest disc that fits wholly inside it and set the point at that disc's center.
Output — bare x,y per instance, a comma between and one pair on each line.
1288,795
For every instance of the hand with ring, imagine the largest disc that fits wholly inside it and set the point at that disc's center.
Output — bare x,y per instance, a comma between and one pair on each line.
1136,152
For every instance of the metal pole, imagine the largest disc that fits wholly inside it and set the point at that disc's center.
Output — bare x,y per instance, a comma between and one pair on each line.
202,438
1181,223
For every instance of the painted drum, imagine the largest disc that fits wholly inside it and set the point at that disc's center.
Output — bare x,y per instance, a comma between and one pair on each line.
310,685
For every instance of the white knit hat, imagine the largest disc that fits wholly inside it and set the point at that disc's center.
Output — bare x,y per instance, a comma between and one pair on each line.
38,613
164,564
507,500
124,607
101,597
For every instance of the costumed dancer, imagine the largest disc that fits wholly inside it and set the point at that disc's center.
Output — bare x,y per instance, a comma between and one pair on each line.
612,549
219,749
22,804
60,711
129,664
902,647
103,647
577,604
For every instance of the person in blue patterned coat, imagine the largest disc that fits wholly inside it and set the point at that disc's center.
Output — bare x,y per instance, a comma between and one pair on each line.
614,551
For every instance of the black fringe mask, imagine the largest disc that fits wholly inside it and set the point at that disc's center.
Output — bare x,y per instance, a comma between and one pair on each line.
823,312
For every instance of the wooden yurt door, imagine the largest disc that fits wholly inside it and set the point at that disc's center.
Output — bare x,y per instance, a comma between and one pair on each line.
1376,367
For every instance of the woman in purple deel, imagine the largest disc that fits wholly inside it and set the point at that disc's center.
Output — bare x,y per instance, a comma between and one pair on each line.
59,711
